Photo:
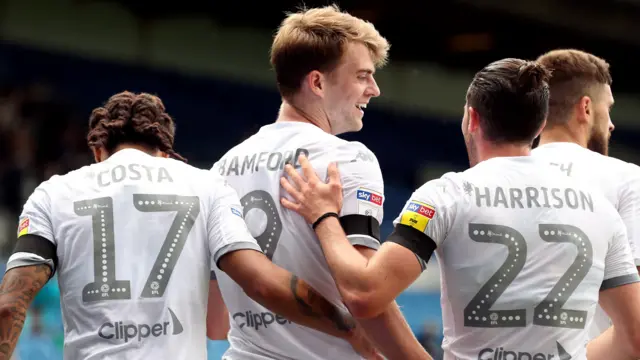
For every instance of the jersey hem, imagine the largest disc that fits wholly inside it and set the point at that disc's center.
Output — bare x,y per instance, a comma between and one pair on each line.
241,245
619,281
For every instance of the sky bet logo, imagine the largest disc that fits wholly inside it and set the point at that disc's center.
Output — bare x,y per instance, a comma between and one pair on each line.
370,197
421,209
120,331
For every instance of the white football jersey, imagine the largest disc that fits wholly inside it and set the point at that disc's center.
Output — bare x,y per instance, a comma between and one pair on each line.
619,181
135,237
254,169
523,254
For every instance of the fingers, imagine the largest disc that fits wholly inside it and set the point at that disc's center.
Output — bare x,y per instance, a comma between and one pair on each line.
286,185
293,174
333,174
307,169
288,204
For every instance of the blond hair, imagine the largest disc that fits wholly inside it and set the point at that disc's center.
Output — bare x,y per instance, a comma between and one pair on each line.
574,74
315,39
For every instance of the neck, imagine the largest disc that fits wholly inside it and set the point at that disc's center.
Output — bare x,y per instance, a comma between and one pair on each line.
506,150
291,112
143,148
561,134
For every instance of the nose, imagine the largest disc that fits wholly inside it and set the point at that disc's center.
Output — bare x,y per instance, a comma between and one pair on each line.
373,90
611,126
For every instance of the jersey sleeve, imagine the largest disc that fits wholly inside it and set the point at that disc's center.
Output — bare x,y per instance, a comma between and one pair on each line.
36,243
619,266
227,230
426,218
629,210
363,196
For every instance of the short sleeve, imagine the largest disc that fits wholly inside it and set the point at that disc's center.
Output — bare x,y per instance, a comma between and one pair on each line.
430,210
363,196
619,268
36,243
227,230
629,210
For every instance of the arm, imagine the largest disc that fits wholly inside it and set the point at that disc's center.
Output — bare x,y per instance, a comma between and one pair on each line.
217,314
629,210
367,286
390,332
619,297
19,287
284,293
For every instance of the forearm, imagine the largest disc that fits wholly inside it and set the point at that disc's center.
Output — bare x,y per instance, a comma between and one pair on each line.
609,346
291,297
392,336
348,267
17,291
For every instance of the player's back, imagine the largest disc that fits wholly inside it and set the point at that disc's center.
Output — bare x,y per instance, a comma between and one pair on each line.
133,257
618,181
523,260
253,169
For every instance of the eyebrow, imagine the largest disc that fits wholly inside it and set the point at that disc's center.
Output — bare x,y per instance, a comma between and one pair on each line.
367,71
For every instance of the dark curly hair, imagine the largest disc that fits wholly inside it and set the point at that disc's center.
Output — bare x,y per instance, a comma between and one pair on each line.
134,119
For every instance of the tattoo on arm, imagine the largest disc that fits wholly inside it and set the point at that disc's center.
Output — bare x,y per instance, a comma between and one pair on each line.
18,288
313,304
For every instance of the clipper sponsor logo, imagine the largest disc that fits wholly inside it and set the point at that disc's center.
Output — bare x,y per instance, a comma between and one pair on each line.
369,196
501,353
125,332
258,321
23,227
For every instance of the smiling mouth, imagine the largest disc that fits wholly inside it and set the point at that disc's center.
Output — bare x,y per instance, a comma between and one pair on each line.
361,107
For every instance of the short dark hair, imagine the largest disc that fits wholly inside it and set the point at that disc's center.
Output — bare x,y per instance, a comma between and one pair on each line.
574,73
128,118
511,97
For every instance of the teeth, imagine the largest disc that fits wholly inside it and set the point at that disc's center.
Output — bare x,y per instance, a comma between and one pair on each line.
361,106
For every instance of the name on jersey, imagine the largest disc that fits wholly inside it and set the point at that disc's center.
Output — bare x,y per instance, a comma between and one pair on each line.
136,172
533,197
271,161
417,215
23,227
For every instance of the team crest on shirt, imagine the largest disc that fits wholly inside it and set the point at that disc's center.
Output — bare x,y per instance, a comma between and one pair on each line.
417,215
369,202
23,227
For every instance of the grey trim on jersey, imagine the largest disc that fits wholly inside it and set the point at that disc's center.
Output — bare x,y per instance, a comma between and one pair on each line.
423,263
213,276
21,259
241,245
619,281
364,240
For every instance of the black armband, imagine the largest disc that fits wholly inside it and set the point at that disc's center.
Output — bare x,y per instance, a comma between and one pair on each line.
415,240
361,225
37,245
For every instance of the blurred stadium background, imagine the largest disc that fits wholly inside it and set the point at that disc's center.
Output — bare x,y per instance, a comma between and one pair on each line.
208,61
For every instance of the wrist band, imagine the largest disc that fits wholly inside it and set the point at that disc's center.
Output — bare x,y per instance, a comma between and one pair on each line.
321,218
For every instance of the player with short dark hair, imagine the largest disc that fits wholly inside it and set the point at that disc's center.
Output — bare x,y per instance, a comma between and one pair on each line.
524,252
132,238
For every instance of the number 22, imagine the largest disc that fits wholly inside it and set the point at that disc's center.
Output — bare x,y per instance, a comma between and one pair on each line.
549,312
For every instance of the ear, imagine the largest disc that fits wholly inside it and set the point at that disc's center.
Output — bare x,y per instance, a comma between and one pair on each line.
584,109
544,123
315,80
474,120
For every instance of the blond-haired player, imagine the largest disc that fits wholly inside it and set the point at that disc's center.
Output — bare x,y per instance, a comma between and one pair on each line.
324,61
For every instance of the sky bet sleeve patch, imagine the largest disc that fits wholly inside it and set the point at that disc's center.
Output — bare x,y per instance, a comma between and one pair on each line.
369,202
23,227
417,215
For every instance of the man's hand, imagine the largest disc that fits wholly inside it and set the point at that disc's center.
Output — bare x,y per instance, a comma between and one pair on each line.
313,198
